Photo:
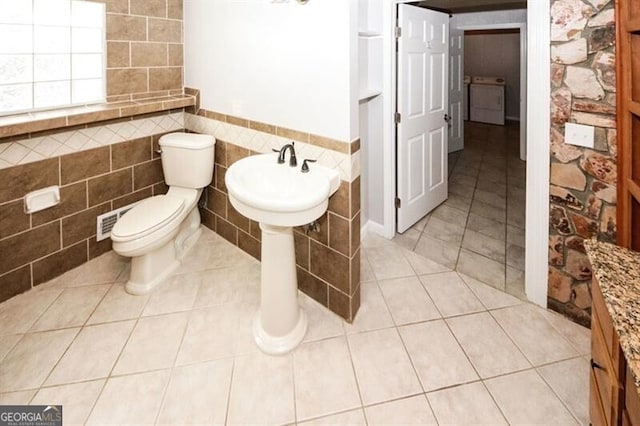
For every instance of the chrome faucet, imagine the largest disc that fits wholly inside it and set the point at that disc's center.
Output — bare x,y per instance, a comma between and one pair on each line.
293,161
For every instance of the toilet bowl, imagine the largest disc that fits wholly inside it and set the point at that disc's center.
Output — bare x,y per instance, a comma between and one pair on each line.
159,231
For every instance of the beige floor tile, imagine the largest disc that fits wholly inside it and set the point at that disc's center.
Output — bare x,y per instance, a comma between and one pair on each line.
488,211
153,345
408,411
515,256
321,322
462,190
93,353
72,308
176,295
488,227
101,270
19,313
449,215
17,398
515,236
463,180
324,379
214,252
436,356
244,338
516,217
408,239
372,240
77,399
382,367
197,394
262,390
32,358
570,381
491,197
423,266
458,202
7,343
496,187
441,252
408,301
353,417
489,349
469,404
515,283
118,305
533,334
484,245
229,285
130,399
450,294
211,334
482,268
444,231
525,398
490,297
577,335
373,313
366,272
389,262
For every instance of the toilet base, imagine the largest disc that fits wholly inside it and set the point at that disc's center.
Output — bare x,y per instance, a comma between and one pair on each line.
151,269
278,345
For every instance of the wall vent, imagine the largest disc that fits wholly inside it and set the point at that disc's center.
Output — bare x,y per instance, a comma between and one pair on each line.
105,222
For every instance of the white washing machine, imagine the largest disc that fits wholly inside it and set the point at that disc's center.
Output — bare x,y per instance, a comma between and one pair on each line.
486,100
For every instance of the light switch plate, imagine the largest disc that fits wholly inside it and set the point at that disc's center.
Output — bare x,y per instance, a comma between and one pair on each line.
579,134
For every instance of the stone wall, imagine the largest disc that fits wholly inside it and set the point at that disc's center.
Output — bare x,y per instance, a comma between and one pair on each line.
583,181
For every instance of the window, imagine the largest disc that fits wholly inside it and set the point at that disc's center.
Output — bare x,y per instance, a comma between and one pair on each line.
52,54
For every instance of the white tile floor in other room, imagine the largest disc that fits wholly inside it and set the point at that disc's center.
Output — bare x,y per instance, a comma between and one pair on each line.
429,345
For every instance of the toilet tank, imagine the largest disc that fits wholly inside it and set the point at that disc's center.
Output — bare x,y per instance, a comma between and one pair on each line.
187,159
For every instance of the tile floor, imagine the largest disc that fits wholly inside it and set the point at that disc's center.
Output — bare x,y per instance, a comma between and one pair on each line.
479,230
429,345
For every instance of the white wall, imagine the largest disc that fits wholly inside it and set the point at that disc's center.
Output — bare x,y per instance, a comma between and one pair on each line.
517,16
285,64
496,55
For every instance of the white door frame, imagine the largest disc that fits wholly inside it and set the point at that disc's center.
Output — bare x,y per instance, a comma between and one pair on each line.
523,74
538,162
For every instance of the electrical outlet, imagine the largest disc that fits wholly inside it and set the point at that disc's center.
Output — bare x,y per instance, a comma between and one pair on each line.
579,134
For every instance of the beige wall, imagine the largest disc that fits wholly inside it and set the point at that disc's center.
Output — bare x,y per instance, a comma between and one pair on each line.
496,55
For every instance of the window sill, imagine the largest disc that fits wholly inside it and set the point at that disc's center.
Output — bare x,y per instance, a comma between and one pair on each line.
59,119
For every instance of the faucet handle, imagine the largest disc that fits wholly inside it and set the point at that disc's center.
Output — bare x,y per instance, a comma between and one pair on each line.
305,166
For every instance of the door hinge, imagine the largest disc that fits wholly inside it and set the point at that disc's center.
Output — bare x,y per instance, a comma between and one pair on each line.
398,118
398,203
398,32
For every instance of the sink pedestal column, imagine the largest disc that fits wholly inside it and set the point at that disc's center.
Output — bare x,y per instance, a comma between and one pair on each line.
280,324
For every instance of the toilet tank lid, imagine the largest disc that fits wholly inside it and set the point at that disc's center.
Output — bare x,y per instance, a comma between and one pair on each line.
187,140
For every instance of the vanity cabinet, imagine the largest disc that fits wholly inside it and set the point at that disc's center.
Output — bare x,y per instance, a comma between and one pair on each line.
614,396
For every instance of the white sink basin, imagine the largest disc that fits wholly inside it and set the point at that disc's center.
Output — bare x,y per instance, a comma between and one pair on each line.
277,194
279,197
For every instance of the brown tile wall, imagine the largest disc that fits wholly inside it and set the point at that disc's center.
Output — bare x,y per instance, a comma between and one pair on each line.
38,247
144,48
328,261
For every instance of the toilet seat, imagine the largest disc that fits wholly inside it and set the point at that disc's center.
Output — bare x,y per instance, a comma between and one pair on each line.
145,218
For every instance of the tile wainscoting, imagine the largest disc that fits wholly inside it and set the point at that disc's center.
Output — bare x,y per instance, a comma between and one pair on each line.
107,166
328,261
97,168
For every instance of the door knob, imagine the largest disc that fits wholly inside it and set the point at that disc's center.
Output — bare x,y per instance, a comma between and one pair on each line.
447,118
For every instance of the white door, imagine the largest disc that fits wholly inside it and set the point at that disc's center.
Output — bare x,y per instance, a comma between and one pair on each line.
456,89
422,133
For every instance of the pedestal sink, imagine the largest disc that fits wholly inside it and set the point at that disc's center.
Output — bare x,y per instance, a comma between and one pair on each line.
279,197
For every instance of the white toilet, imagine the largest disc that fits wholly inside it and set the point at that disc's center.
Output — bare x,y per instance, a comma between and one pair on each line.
159,231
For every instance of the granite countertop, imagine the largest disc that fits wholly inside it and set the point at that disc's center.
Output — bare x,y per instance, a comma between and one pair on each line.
618,272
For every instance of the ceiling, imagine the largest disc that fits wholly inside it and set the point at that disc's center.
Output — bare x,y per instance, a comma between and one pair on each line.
464,6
